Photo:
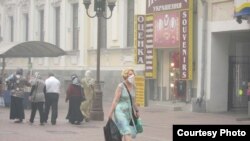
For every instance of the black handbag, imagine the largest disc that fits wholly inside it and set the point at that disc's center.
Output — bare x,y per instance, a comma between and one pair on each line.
133,114
111,132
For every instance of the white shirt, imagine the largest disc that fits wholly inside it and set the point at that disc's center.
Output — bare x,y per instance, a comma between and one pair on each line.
52,85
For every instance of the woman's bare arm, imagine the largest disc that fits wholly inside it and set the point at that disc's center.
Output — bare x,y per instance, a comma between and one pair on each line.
115,101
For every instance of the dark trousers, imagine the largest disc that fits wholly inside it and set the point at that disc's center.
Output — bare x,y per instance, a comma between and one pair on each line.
16,108
51,101
34,107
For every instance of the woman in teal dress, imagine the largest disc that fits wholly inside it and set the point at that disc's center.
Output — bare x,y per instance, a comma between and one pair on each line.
121,105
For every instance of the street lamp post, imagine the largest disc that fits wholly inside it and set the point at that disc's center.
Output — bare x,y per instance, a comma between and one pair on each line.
100,9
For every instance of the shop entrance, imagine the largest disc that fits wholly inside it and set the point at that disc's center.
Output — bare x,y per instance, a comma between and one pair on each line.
239,76
239,71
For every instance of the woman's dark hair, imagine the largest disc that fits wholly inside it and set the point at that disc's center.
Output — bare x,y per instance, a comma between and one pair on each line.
73,76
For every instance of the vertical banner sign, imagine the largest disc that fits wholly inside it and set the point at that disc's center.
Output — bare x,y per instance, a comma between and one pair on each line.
150,54
140,89
186,43
139,40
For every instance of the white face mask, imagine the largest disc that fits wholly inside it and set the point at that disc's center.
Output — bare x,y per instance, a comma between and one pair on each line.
18,76
131,79
75,81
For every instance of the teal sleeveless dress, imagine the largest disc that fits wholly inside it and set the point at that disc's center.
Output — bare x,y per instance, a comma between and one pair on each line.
122,113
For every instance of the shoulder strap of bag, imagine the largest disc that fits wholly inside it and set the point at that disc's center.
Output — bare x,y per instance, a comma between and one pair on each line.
132,112
129,95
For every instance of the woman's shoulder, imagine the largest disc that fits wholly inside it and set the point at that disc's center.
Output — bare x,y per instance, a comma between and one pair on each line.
121,85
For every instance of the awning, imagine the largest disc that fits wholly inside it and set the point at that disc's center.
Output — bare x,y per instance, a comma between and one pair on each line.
29,49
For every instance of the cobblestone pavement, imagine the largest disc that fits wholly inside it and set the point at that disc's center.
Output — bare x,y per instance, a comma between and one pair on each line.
158,120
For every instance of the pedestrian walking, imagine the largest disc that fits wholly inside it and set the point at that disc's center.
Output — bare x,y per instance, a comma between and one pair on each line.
75,95
37,98
52,91
16,84
121,107
88,84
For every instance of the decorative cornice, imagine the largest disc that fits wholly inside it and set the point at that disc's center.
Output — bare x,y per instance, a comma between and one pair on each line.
24,2
10,2
2,2
40,4
9,10
73,1
9,6
25,5
56,3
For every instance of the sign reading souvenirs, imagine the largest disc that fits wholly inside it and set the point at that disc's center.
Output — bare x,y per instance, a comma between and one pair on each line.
186,42
184,45
139,41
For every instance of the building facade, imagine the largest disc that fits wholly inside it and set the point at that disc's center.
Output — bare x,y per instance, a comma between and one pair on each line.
222,55
218,45
195,51
65,24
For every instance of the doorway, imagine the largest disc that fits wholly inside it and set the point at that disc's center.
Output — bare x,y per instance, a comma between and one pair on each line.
239,76
239,71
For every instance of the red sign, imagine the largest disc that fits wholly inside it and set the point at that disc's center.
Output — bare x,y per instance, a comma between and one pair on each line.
166,30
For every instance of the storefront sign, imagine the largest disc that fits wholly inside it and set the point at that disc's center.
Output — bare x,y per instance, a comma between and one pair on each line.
139,39
242,7
165,5
140,90
186,43
167,30
150,56
173,20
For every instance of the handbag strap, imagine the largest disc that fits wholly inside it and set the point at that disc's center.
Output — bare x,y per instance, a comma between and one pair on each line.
129,96
131,104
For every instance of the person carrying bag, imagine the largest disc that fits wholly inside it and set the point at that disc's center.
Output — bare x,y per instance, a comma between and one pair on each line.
135,121
121,106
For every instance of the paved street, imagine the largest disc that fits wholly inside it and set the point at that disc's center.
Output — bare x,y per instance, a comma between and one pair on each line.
157,119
